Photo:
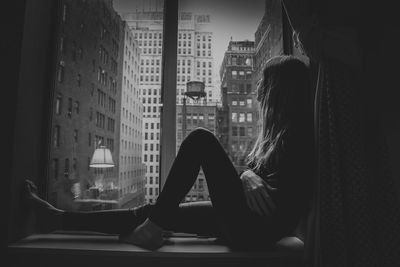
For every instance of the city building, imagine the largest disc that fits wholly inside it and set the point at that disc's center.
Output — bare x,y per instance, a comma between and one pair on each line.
223,121
86,105
268,36
131,168
194,62
239,99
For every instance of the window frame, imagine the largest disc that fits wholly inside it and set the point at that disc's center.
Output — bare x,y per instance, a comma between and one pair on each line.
168,90
38,44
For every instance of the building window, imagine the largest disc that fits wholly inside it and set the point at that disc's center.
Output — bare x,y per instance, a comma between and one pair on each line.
77,107
78,79
55,169
249,117
250,131
74,164
58,104
64,13
248,88
249,102
242,131
66,168
234,74
56,138
234,117
60,72
241,117
76,136
69,110
62,45
234,130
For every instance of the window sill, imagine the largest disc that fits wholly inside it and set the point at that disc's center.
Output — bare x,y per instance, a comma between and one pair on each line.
104,250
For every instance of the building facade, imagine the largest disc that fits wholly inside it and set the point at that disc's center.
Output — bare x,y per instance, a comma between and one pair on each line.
86,105
131,170
268,36
194,62
237,81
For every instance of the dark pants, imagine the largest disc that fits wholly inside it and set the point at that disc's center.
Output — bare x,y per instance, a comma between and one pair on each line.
227,217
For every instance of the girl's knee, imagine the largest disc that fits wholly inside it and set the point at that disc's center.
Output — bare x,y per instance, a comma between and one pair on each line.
201,132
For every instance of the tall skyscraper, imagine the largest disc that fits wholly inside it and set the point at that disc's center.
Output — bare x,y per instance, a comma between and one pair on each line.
195,62
237,79
131,170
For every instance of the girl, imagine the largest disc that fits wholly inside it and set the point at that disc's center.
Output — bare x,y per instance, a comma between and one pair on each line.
253,209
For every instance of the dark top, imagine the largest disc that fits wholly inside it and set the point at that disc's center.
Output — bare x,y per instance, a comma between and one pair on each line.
293,179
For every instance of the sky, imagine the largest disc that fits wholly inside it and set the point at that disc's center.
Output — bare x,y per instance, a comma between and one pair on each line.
236,19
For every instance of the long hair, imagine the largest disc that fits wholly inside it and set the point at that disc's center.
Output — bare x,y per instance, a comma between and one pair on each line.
283,95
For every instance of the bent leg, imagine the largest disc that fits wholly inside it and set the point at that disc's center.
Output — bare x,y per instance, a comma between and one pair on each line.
195,218
201,149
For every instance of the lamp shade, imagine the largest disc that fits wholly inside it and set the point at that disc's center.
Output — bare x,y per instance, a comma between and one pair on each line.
102,158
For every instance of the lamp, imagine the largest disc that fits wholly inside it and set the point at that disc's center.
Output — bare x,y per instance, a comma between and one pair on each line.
102,158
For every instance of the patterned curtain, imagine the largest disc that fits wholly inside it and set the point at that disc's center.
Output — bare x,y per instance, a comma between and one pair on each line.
356,216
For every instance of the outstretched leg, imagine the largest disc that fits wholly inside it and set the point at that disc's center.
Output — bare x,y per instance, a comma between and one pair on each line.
50,217
120,221
105,221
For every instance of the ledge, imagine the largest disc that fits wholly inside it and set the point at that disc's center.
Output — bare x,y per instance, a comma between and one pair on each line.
103,250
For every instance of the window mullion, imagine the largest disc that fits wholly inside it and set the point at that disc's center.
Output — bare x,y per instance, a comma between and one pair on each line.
168,88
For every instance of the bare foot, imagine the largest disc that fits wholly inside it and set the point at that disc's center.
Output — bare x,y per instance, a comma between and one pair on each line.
147,235
48,215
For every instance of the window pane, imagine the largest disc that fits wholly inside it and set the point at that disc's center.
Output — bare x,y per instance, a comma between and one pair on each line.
231,43
99,101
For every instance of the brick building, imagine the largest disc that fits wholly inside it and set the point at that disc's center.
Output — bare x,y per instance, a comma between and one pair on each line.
239,100
86,104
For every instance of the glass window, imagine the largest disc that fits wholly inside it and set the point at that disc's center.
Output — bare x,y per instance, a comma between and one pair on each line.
249,102
234,117
249,117
58,104
121,102
234,74
241,117
117,105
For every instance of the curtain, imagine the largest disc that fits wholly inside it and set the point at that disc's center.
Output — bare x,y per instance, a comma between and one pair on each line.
355,219
357,209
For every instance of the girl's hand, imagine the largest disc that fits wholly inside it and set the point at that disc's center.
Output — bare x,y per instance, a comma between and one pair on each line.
256,192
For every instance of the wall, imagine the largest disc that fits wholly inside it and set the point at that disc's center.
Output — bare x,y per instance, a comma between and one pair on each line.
30,126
